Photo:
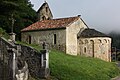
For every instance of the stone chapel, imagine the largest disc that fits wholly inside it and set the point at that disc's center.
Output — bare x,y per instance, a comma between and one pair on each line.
70,35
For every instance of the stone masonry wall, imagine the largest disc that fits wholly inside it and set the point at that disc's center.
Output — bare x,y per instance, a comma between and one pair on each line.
71,36
32,58
44,13
38,37
99,47
38,62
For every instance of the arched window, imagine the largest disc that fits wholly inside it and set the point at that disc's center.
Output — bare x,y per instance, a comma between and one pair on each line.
105,40
100,46
92,47
80,42
99,41
43,18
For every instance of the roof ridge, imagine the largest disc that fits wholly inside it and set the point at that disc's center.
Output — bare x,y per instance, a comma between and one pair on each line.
65,17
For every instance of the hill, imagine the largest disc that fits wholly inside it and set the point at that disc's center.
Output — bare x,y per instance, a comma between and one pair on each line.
66,67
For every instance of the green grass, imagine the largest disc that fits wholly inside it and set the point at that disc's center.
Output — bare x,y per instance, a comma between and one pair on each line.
66,67
34,46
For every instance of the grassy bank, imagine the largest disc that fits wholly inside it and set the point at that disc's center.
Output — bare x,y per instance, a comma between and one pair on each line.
66,67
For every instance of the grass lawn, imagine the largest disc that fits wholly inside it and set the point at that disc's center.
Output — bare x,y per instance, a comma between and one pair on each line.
66,67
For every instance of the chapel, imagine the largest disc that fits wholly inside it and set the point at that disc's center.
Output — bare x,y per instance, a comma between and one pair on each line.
70,35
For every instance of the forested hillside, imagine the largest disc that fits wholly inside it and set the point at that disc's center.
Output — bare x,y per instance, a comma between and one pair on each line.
20,10
115,39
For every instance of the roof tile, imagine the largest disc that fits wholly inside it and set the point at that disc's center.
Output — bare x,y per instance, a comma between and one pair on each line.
90,33
51,24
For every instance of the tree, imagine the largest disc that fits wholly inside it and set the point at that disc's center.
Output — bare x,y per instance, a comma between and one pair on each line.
22,12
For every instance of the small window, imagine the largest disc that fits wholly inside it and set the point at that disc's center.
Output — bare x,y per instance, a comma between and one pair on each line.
29,39
43,18
54,38
46,9
85,49
48,18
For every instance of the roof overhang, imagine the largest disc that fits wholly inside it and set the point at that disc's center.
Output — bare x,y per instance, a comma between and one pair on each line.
44,29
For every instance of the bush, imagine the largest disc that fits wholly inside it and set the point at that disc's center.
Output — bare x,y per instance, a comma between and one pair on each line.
3,33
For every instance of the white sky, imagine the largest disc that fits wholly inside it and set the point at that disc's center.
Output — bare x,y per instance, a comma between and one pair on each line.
103,15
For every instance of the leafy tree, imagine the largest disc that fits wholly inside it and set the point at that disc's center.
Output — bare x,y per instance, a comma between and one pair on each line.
3,33
22,12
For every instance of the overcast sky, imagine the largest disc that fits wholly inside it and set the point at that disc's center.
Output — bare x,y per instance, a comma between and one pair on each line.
103,15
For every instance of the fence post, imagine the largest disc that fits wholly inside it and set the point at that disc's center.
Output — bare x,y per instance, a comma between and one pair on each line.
46,55
13,66
44,70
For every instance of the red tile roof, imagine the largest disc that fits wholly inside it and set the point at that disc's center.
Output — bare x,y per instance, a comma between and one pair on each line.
51,24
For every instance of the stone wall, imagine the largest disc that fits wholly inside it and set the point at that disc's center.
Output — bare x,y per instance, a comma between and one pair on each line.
36,62
71,36
32,58
44,12
7,68
99,47
17,61
38,37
